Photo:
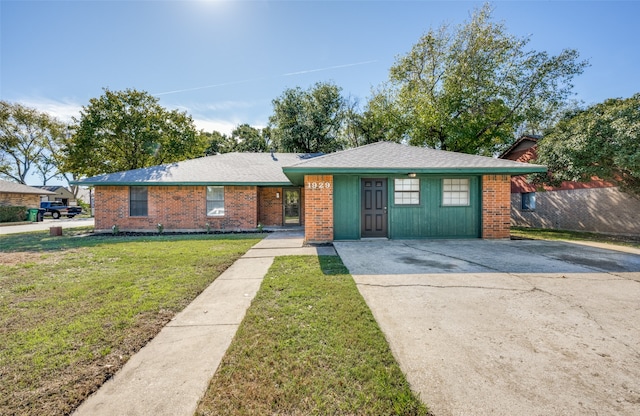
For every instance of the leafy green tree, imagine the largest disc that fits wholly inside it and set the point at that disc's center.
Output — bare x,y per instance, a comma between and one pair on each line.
469,89
308,121
360,128
28,141
383,120
601,141
218,143
249,139
123,130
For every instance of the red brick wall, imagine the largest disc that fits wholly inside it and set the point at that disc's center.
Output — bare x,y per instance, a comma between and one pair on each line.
272,209
270,206
496,206
318,208
177,208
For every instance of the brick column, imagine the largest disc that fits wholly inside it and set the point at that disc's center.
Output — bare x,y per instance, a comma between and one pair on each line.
496,206
318,208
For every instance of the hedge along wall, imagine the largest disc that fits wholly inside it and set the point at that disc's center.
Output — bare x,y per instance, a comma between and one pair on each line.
12,214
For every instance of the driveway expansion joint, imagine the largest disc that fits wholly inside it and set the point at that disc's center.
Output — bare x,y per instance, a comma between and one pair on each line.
447,287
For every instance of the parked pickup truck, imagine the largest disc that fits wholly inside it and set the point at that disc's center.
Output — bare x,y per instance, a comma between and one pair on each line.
56,209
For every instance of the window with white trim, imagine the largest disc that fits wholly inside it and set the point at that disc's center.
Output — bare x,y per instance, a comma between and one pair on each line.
215,201
406,191
455,192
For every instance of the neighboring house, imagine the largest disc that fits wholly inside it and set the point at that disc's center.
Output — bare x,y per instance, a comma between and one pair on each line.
596,206
60,194
382,190
18,195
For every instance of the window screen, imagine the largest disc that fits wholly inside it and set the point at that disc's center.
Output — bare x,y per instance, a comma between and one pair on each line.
138,201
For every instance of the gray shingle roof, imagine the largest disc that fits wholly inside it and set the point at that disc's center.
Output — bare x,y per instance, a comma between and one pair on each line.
224,169
18,188
388,155
284,168
394,158
49,188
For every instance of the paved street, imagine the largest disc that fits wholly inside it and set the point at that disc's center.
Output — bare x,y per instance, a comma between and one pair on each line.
46,224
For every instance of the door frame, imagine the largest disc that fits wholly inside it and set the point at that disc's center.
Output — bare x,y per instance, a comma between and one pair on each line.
284,205
383,210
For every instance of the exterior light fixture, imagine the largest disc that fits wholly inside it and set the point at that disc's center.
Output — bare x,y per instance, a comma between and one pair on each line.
277,195
411,175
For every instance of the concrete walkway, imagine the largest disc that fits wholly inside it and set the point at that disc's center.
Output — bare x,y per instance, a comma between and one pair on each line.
171,373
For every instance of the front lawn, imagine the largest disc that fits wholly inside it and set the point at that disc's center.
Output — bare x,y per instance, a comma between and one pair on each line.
73,309
309,345
550,234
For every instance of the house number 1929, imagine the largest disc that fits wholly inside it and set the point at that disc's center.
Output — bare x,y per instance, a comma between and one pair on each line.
319,185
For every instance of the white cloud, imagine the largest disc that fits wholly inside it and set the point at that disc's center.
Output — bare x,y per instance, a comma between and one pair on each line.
63,109
222,126
221,116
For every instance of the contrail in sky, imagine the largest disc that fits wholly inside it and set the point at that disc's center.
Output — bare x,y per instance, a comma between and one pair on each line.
308,71
207,86
288,74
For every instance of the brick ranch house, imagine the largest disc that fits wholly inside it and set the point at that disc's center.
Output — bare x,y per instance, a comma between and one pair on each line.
381,190
18,195
596,206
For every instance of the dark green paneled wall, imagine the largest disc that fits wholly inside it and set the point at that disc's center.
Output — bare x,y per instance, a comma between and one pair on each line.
346,207
427,220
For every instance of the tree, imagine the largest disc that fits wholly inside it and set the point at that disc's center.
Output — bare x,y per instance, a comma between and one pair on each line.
249,139
382,120
27,140
470,89
124,130
308,121
218,143
601,141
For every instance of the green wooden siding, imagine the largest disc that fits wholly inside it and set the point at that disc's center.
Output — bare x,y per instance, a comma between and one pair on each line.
429,219
432,220
346,207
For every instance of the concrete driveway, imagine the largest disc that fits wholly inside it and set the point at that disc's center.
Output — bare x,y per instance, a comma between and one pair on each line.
507,327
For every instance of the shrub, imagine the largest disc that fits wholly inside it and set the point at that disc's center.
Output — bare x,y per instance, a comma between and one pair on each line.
13,214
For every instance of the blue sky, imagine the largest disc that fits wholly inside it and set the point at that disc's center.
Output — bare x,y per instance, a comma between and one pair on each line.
223,62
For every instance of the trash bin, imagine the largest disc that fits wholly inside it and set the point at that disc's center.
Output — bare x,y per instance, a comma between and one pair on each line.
41,214
33,214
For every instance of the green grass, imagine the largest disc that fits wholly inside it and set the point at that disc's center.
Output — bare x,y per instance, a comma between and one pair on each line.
74,309
309,345
548,234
